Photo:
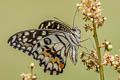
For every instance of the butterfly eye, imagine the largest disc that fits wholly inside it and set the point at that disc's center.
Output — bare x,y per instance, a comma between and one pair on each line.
47,41
74,29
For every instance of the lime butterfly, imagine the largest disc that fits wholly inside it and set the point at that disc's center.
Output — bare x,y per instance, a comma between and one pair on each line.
49,44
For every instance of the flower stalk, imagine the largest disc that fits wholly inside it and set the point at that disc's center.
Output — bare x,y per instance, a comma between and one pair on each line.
98,52
92,15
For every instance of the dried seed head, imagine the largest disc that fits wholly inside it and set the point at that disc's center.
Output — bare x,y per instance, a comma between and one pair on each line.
34,77
113,61
29,76
25,76
90,60
108,59
107,45
91,10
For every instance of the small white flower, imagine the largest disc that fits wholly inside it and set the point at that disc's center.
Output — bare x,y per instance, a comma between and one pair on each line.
105,18
105,62
98,10
28,75
84,1
94,7
83,11
23,75
34,77
107,42
116,55
89,14
98,3
91,19
112,58
77,4
32,64
115,63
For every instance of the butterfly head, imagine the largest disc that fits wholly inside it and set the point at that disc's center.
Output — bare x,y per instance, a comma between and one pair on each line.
76,31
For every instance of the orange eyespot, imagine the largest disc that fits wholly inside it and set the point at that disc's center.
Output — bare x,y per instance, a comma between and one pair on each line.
61,65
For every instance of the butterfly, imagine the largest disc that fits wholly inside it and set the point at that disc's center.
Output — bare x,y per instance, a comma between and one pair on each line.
49,44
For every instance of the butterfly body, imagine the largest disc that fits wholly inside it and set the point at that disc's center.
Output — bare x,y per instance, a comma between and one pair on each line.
49,44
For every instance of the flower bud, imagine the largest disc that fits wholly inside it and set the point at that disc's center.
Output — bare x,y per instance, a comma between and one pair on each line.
32,66
110,47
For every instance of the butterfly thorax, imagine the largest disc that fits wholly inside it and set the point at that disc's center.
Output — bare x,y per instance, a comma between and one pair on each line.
76,33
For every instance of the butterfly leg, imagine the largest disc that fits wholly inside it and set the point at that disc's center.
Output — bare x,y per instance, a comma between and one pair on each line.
90,41
84,48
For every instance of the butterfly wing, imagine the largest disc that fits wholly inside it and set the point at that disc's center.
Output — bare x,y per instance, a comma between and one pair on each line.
52,56
49,47
52,24
26,40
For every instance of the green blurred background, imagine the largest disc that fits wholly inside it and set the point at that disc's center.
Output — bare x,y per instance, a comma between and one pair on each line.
18,15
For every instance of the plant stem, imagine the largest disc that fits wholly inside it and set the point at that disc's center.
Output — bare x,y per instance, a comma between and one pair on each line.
98,53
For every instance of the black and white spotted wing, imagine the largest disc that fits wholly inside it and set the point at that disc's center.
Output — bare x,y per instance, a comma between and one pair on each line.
49,47
52,24
25,40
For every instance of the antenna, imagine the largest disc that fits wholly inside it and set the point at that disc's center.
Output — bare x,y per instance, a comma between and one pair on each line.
58,19
74,17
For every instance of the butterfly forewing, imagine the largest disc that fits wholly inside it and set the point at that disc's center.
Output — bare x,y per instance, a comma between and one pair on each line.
52,24
26,40
49,47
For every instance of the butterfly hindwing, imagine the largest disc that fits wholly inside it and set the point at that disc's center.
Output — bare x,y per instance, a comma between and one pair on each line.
49,47
53,24
53,56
